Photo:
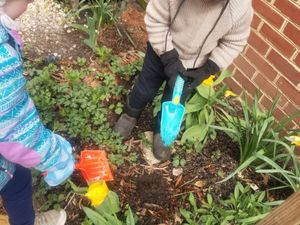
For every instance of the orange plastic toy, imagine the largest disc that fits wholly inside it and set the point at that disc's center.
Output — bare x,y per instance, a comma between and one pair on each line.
93,165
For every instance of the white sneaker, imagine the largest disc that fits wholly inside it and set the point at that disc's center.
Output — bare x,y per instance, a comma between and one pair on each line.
52,217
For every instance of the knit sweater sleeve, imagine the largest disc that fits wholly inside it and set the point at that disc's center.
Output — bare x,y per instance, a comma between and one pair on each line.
233,43
157,20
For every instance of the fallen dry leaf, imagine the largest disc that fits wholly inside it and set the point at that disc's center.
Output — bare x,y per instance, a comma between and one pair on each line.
178,181
200,184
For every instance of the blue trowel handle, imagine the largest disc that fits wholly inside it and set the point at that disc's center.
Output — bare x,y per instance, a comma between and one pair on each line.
178,88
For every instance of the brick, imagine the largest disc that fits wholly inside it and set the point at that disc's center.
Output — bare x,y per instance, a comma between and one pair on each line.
293,33
255,21
245,82
265,102
284,67
268,13
297,60
261,64
244,66
266,86
258,43
234,86
290,9
289,90
279,114
282,101
297,149
279,42
291,109
250,99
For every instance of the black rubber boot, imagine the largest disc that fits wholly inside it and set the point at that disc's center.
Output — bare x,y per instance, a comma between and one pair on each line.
160,151
127,121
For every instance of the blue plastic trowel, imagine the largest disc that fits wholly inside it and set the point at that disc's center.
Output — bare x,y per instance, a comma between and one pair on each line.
172,114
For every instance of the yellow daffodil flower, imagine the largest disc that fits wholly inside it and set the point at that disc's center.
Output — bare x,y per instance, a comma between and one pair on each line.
229,93
209,81
97,192
295,140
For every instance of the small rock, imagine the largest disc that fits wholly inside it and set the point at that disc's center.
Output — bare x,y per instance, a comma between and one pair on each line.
177,171
147,149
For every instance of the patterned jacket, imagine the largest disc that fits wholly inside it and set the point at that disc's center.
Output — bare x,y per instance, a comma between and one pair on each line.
23,138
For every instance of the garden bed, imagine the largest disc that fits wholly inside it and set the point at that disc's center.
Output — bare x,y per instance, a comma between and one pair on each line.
87,95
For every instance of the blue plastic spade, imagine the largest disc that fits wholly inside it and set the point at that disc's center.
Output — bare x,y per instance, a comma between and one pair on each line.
172,114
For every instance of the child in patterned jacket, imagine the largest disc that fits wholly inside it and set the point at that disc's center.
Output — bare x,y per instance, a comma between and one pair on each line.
24,141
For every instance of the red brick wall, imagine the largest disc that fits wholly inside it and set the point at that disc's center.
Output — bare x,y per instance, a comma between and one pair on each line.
271,60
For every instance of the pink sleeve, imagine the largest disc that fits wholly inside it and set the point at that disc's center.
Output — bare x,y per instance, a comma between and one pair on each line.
18,153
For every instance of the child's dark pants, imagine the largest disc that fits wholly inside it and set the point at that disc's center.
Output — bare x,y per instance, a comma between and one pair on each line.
148,83
17,198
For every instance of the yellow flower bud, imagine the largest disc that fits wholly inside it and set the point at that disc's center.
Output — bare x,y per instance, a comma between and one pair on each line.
295,140
209,81
97,192
229,93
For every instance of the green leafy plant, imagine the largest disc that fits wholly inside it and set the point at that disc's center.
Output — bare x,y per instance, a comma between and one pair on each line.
103,12
91,30
104,54
200,112
81,61
261,143
46,197
74,108
283,166
87,221
126,70
108,212
178,161
241,208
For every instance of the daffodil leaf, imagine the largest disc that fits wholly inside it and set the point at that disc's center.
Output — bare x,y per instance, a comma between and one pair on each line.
110,204
95,217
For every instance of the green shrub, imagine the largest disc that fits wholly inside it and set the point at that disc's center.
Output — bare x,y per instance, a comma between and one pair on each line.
74,108
200,112
261,143
241,208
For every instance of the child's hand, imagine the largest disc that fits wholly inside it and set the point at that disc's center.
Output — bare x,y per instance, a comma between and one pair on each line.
15,8
61,170
198,75
172,64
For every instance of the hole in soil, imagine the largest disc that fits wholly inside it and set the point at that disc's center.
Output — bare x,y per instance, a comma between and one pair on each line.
153,188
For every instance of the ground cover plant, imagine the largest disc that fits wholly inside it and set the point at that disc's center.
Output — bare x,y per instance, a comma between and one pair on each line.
242,207
230,166
261,142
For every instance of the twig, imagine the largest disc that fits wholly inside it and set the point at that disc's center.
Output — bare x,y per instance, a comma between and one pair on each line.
186,192
188,182
72,197
130,145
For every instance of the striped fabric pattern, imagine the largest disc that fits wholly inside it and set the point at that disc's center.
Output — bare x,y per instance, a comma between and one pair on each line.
19,121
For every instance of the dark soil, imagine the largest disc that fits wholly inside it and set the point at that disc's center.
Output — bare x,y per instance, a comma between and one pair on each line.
144,123
110,38
131,26
152,188
156,195
133,21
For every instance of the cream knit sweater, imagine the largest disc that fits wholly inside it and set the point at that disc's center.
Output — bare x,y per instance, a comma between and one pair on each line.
192,24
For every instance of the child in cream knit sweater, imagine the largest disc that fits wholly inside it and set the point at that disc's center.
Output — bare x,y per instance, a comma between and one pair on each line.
192,38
